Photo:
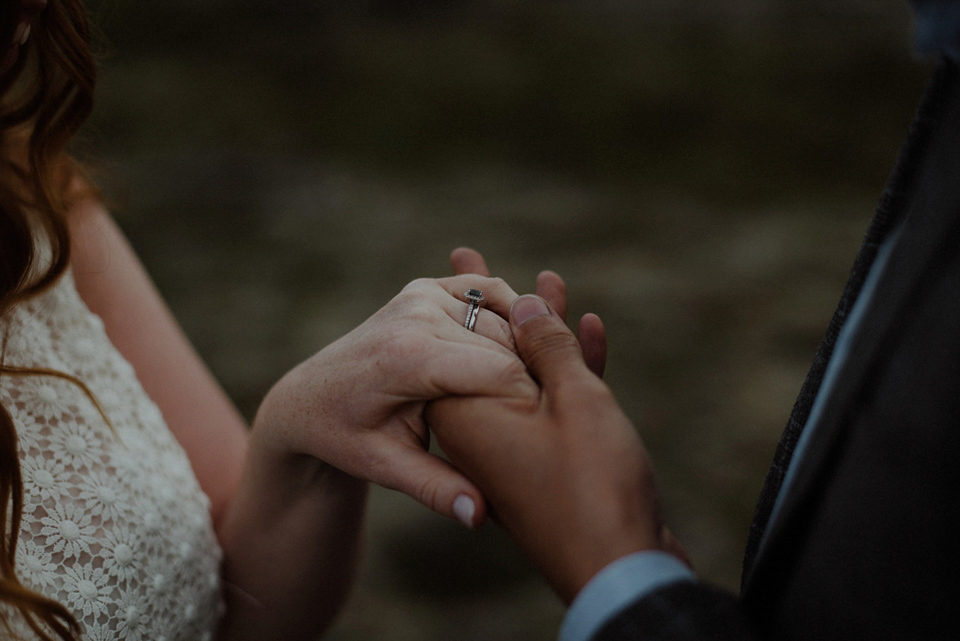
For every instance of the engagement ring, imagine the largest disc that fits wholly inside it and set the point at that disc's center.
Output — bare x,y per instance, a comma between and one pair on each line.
475,296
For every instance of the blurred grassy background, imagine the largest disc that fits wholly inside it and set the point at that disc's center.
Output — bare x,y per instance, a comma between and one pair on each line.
700,172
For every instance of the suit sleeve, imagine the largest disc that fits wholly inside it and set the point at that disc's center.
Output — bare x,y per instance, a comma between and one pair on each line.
681,611
615,587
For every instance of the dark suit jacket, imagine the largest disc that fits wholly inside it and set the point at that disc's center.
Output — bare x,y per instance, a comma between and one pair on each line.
867,542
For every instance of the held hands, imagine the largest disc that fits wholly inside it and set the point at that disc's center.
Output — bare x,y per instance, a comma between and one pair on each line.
551,288
556,457
563,468
358,404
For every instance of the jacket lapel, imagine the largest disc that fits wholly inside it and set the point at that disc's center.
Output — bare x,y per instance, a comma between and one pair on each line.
924,193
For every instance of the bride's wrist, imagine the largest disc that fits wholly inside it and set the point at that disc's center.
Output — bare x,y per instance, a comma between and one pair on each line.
294,469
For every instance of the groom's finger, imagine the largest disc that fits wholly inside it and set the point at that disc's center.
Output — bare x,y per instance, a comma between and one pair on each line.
551,288
468,261
544,342
593,343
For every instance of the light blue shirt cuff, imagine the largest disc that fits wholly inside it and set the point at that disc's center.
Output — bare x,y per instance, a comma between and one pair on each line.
616,586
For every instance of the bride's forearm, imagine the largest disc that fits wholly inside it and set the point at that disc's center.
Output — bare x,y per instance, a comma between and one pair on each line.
290,533
291,542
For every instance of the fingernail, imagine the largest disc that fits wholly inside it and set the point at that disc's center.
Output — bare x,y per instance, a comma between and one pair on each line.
464,508
527,307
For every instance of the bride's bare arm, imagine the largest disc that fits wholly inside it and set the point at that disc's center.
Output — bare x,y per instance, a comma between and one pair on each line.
114,285
302,532
288,496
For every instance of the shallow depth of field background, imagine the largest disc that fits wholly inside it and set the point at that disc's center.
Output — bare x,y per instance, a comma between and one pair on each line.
700,172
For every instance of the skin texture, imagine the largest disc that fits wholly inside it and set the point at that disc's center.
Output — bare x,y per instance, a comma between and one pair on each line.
288,495
564,469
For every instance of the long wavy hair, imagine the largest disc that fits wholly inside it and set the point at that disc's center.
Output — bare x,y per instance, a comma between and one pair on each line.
44,99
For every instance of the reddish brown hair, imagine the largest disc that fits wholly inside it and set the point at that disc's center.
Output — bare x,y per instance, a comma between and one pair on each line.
44,99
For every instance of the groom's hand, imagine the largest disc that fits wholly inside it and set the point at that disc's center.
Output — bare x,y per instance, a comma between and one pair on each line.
564,469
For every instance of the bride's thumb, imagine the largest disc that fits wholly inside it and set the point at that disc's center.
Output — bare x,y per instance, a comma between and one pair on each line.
436,484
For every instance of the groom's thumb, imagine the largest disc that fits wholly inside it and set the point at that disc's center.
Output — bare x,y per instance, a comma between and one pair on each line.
544,342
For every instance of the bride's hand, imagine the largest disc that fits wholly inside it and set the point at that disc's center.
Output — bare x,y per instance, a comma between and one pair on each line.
358,404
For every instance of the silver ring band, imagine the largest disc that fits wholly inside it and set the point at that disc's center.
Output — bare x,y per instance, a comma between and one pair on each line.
475,296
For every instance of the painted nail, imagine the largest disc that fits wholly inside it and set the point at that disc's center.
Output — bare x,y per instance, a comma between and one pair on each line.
527,307
464,508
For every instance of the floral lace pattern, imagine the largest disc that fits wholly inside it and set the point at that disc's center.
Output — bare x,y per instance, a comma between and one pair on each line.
115,525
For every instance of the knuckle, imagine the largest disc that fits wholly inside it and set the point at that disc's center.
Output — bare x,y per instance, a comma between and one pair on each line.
412,294
500,288
430,493
547,344
497,283
419,284
414,304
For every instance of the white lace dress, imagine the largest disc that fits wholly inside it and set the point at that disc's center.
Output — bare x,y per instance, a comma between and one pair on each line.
115,526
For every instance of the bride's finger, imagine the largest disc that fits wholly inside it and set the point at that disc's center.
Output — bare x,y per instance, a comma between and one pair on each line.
487,324
430,480
551,288
468,261
424,297
497,294
490,325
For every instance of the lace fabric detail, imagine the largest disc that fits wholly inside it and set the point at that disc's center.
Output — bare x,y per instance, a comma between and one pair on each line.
115,525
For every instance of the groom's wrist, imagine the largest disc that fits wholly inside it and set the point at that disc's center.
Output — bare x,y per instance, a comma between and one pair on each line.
618,585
